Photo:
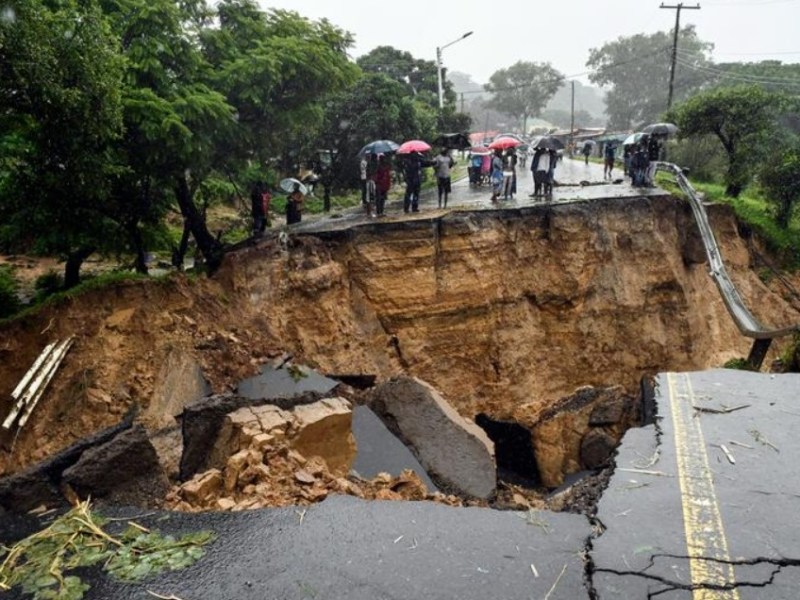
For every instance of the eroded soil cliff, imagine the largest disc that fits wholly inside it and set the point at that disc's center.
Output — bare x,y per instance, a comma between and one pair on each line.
504,312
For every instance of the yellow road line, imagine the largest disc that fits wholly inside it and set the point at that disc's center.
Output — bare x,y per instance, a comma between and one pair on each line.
705,535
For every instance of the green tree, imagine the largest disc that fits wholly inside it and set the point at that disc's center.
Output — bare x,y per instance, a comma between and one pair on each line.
376,107
419,75
60,113
780,178
636,69
742,118
523,89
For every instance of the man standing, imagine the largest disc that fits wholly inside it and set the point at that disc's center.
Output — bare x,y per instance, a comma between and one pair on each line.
608,160
362,171
587,150
442,165
412,171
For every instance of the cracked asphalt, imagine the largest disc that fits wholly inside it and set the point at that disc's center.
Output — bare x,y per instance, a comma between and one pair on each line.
703,503
682,518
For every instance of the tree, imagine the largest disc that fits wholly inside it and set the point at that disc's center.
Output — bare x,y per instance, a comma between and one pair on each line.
564,118
742,118
376,107
419,75
60,113
637,70
523,89
780,178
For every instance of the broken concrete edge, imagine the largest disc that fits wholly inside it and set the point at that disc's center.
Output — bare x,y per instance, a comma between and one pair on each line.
391,400
202,420
41,483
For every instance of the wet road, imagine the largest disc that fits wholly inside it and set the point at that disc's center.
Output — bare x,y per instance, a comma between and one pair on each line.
708,497
569,175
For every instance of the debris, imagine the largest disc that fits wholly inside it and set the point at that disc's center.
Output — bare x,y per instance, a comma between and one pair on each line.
534,571
727,453
32,386
735,443
171,597
646,472
552,589
759,437
720,411
649,462
44,562
398,539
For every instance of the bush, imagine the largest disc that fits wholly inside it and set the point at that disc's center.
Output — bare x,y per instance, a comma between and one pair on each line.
739,364
9,302
703,156
48,284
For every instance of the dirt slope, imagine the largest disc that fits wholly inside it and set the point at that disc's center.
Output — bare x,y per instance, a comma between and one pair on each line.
495,309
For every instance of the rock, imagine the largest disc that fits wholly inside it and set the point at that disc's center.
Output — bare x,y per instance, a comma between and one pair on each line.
179,382
596,448
324,429
203,487
304,476
609,412
225,504
125,469
456,453
409,486
233,468
262,441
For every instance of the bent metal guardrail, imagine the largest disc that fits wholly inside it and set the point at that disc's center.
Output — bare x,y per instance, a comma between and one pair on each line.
747,323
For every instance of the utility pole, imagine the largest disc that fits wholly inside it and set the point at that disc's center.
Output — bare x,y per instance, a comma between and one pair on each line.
572,119
677,8
462,102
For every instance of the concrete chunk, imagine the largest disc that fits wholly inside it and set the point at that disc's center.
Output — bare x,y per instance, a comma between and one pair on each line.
456,453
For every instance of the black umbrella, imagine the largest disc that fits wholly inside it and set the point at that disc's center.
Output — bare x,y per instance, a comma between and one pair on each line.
454,141
661,129
549,143
379,147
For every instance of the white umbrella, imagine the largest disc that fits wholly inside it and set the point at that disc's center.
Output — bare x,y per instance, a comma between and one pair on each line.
289,185
633,138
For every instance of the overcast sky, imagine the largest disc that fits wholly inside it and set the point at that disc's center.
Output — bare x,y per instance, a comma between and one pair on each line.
557,31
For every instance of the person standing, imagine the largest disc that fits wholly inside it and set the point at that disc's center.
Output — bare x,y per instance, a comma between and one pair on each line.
541,173
257,209
496,174
587,150
412,171
442,164
383,181
362,171
509,174
608,160
550,179
537,154
639,167
294,203
653,156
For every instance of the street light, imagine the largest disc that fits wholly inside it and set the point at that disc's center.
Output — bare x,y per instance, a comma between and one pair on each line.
439,66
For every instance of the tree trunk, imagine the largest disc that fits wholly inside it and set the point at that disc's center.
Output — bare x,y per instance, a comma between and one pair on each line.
72,270
209,246
140,263
179,252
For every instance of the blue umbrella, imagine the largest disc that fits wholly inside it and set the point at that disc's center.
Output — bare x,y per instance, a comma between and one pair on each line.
379,147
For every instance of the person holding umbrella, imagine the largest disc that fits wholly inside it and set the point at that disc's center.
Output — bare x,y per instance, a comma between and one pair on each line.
383,181
294,203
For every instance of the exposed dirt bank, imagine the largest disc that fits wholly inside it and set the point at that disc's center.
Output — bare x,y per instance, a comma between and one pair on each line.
497,310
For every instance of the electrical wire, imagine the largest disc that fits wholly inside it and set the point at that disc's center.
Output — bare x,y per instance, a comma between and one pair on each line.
717,72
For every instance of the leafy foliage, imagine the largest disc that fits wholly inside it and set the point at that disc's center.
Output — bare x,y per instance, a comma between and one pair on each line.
9,303
637,70
780,179
40,564
523,89
743,119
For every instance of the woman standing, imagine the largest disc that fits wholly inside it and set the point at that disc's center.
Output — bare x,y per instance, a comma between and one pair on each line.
383,181
293,205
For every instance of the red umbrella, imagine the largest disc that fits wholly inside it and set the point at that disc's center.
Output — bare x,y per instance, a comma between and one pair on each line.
413,146
480,150
504,142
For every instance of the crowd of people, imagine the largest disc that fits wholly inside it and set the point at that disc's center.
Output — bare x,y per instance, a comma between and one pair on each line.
496,168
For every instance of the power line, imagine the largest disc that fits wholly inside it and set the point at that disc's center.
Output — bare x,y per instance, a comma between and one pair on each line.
719,73
677,8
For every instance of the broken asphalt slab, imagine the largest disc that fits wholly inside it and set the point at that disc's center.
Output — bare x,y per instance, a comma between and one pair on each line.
350,549
736,506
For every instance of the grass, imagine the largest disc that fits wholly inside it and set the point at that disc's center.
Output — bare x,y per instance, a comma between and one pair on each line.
752,209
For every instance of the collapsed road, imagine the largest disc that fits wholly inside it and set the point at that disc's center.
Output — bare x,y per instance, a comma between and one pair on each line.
669,485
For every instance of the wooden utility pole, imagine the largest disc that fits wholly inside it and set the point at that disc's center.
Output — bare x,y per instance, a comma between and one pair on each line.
677,8
572,118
